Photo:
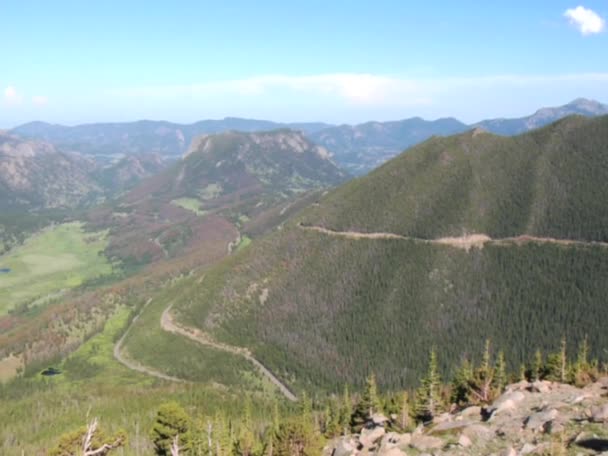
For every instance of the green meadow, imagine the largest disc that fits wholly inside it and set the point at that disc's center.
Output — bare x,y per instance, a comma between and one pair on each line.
57,258
190,204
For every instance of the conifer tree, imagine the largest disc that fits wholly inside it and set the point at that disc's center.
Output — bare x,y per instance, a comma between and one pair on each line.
346,411
461,384
483,378
332,419
368,405
171,421
428,397
223,443
404,412
557,364
538,367
500,376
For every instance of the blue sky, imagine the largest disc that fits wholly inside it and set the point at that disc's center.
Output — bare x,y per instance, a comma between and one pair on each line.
341,61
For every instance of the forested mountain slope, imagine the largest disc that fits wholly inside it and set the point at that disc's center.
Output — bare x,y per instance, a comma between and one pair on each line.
323,310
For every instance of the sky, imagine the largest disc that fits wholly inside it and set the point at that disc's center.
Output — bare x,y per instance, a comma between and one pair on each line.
337,61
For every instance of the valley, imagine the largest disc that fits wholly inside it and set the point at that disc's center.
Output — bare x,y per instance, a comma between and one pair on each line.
255,267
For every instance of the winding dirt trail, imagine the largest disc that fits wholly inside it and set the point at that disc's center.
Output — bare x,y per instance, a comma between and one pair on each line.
463,242
167,323
133,365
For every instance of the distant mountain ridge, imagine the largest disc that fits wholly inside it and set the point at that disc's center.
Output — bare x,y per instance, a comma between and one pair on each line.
144,136
356,148
544,116
35,175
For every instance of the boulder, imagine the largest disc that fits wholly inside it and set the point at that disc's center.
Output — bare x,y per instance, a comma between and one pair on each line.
464,441
537,421
378,419
426,442
478,432
473,412
391,452
345,447
369,436
508,452
393,440
598,413
508,401
540,386
448,426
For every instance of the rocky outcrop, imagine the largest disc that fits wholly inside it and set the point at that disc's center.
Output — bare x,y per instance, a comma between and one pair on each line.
529,418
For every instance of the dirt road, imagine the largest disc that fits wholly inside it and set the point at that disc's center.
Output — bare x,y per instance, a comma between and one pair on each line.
168,324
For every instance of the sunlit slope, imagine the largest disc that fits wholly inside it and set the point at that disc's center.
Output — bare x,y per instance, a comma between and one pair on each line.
324,309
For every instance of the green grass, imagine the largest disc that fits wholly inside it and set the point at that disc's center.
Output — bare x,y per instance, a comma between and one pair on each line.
190,204
244,242
148,344
60,257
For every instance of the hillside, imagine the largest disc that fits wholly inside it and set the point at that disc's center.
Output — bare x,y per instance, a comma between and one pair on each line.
34,175
355,283
225,180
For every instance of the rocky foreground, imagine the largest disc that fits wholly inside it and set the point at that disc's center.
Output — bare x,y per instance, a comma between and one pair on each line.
539,418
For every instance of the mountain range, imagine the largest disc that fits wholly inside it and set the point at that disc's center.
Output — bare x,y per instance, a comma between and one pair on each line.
356,148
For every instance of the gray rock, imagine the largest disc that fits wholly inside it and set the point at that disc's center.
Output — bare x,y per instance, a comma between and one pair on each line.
527,449
392,440
508,401
448,426
426,442
345,447
464,441
379,419
473,412
598,413
508,452
540,386
391,452
537,421
478,432
369,436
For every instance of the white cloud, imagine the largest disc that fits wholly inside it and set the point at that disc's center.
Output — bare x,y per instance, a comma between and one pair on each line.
586,20
361,89
11,95
358,88
40,100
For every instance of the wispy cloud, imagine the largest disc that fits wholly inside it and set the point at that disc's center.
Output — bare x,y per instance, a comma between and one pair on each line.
359,88
354,88
586,20
11,96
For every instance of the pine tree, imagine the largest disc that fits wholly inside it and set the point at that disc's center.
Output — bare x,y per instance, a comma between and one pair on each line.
461,384
428,399
332,418
538,367
171,421
483,378
368,405
404,412
223,436
500,377
246,444
346,411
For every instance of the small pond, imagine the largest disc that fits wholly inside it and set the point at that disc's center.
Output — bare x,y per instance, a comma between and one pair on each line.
5,270
50,371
